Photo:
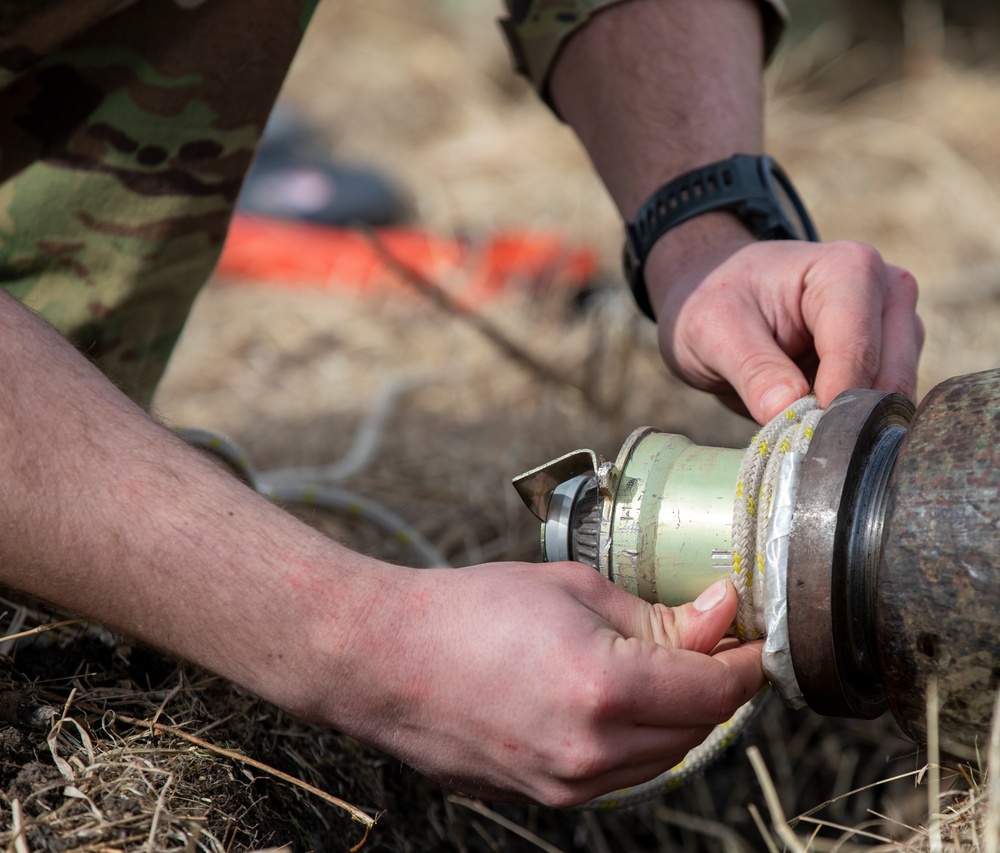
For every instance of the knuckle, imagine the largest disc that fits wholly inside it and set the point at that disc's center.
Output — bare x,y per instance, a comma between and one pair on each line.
905,287
579,761
730,699
863,260
755,369
730,696
593,698
663,622
559,796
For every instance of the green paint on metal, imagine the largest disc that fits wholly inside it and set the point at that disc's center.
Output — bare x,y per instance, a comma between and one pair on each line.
673,517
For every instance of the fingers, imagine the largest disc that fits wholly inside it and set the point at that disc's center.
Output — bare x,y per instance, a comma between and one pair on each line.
654,754
757,323
902,336
692,690
696,627
689,677
862,313
763,375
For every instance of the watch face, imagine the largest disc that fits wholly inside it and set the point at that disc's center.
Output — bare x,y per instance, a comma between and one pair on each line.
796,217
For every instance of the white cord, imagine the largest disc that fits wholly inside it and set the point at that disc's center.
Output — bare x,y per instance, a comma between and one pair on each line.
789,432
306,489
784,438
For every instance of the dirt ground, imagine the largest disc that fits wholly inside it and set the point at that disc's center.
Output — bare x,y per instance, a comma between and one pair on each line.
424,93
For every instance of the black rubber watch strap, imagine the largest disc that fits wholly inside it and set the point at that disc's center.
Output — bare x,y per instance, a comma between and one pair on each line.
745,185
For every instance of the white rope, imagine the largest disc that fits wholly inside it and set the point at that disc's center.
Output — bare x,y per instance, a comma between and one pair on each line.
789,432
697,759
296,487
786,435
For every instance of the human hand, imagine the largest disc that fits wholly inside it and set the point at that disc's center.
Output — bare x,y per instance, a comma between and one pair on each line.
546,682
760,323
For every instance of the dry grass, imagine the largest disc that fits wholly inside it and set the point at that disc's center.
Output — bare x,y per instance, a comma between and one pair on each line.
423,91
142,754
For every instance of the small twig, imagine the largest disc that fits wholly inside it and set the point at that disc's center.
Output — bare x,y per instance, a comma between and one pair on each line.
934,767
157,811
765,833
916,830
500,820
514,351
731,842
849,830
781,826
992,841
828,803
40,629
17,824
356,814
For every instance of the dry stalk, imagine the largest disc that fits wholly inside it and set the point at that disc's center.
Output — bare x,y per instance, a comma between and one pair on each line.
765,833
934,767
500,820
992,840
513,350
40,629
785,832
828,803
17,819
356,814
157,811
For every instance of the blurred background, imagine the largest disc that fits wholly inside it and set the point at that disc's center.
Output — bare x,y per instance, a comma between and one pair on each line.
886,113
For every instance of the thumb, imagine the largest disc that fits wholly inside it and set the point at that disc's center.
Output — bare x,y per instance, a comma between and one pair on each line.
698,626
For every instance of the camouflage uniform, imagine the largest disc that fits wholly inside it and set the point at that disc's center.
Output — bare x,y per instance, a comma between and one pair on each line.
537,29
126,128
125,131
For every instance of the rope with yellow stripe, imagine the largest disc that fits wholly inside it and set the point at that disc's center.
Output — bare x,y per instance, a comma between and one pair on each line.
697,759
790,432
771,452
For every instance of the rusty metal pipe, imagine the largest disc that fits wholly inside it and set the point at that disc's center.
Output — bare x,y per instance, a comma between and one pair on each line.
893,575
937,607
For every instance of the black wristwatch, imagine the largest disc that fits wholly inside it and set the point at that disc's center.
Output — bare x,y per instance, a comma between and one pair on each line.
755,189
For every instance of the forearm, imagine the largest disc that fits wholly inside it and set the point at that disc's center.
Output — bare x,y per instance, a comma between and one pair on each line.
108,514
654,88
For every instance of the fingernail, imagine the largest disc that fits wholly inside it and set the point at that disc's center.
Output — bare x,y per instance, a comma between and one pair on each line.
777,398
711,597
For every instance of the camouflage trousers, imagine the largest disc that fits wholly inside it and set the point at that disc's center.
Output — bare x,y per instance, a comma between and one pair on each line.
126,129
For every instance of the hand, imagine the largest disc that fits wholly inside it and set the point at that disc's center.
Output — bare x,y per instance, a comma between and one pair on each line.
547,682
760,323
515,680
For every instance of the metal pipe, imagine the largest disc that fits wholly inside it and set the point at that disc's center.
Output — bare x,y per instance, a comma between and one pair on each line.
893,568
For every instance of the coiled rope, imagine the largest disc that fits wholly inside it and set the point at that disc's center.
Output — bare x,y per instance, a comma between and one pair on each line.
790,432
318,489
783,437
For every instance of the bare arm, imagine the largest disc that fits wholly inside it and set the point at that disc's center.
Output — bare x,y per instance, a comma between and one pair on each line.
655,88
511,680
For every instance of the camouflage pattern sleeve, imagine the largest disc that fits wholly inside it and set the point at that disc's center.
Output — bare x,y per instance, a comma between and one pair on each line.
126,128
537,29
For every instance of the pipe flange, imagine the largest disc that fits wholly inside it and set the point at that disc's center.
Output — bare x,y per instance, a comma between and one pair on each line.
833,552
